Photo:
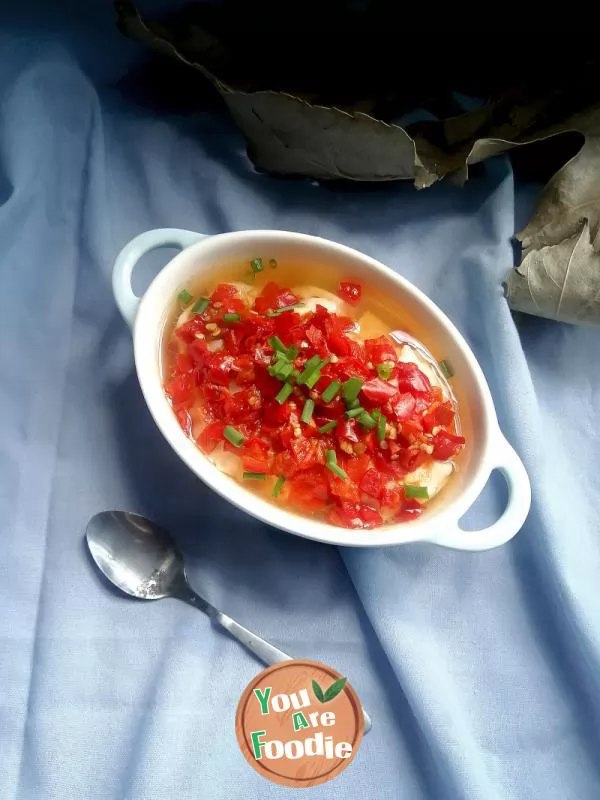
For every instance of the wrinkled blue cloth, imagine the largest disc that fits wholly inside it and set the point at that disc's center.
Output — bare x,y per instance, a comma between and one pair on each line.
481,671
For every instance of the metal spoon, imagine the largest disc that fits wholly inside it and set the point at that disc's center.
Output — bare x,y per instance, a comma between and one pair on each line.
141,559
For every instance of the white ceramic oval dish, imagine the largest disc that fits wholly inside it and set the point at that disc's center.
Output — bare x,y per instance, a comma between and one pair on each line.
486,448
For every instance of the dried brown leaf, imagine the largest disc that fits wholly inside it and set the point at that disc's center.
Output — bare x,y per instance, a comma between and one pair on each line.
559,281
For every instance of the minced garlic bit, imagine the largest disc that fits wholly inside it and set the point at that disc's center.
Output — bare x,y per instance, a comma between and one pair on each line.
390,431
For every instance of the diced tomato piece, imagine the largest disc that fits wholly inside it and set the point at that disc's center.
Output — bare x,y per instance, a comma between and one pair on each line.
219,368
303,452
370,517
198,352
222,292
371,483
390,497
179,389
411,379
305,498
231,305
255,456
185,421
316,479
288,328
408,514
402,405
350,367
378,391
339,343
211,436
355,515
412,459
346,429
350,292
380,350
284,464
411,429
263,355
275,415
273,297
442,414
189,329
446,445
355,467
315,336
344,489
184,363
267,385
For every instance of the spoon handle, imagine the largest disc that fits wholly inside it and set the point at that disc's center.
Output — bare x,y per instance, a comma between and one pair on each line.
264,651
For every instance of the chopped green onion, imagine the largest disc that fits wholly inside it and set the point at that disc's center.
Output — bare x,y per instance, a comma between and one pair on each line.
381,424
330,392
281,370
329,426
284,393
255,476
311,366
279,311
332,465
367,421
278,484
307,411
353,404
233,436
292,352
351,388
355,412
384,371
420,492
200,305
184,296
231,317
313,378
277,344
446,368
272,263
257,265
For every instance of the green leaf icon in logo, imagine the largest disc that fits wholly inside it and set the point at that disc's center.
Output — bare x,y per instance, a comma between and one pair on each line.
331,692
318,692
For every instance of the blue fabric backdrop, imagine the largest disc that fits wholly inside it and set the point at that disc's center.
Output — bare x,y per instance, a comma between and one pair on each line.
481,671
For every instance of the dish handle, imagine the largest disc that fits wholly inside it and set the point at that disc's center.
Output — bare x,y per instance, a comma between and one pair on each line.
510,465
127,301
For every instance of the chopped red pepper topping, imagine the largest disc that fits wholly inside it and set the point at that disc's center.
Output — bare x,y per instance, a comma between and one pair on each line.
345,461
350,292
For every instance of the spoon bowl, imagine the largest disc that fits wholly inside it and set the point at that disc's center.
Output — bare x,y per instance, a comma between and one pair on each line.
136,555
